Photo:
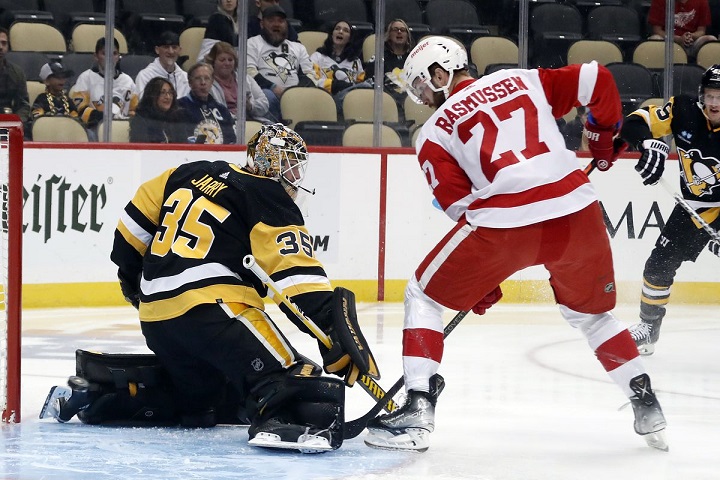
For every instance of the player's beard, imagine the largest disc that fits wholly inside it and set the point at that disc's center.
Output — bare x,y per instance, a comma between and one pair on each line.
438,99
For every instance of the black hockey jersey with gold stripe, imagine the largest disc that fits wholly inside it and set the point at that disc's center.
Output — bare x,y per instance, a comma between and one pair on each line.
697,144
183,237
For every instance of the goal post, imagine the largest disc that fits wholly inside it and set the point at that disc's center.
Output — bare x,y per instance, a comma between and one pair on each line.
11,178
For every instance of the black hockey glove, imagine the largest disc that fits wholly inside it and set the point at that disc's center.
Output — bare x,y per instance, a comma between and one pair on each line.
652,161
714,247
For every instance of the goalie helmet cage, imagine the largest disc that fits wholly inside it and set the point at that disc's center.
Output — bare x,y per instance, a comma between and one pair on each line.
11,168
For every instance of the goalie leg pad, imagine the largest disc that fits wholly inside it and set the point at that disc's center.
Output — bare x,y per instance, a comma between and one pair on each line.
347,330
126,389
295,409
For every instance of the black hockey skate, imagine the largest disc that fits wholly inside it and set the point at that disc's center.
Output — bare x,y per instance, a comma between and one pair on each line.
649,418
409,427
647,332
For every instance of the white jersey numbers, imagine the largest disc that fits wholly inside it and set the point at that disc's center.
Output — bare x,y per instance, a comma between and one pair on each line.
431,178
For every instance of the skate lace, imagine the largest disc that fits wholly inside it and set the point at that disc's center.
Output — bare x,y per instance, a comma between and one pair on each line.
640,331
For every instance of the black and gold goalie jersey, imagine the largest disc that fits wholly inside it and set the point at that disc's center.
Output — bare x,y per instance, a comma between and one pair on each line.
180,242
697,144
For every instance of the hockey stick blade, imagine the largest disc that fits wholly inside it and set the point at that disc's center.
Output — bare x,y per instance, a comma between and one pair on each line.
353,428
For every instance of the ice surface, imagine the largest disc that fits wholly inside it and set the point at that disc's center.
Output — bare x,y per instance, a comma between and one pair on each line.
525,400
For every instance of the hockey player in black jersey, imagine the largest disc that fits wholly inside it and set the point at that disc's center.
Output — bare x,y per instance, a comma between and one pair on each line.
694,123
179,247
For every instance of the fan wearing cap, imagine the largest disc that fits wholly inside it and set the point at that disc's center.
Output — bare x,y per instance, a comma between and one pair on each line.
55,100
275,62
167,48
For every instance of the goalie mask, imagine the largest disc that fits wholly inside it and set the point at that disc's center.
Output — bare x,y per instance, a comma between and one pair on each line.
441,50
280,153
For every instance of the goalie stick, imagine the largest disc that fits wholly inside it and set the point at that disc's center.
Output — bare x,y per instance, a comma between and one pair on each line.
690,210
366,382
353,428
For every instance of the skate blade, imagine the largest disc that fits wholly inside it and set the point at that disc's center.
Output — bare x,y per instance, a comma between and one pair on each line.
51,407
647,349
657,440
305,443
415,440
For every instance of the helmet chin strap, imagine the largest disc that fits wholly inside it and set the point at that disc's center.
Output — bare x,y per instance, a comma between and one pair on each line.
445,90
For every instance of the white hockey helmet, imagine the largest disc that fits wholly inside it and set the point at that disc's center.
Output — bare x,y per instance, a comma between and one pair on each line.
444,51
278,152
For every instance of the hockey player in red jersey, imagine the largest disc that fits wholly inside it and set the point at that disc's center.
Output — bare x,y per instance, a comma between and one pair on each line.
498,165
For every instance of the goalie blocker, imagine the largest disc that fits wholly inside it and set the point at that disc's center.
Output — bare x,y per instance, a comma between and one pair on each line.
350,354
297,409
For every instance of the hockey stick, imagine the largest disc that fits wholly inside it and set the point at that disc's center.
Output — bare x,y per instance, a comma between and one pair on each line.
690,210
366,382
590,167
353,428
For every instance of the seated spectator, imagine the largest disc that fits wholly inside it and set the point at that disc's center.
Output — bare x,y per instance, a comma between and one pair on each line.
222,26
398,43
692,17
573,131
337,63
253,27
54,101
158,118
165,65
13,83
88,93
207,120
275,62
224,61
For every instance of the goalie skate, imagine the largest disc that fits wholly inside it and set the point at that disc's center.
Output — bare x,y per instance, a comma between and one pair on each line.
57,396
306,443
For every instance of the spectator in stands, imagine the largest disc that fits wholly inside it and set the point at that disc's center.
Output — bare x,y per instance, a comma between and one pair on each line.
165,65
254,28
55,100
398,43
158,118
275,62
88,93
337,63
208,121
692,17
222,26
224,61
13,83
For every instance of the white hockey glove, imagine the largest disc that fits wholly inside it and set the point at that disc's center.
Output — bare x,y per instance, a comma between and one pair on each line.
714,247
652,161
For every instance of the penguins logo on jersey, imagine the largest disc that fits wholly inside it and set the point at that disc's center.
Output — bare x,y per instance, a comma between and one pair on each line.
283,64
701,174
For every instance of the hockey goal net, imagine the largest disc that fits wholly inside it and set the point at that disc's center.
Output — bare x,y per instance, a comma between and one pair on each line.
11,158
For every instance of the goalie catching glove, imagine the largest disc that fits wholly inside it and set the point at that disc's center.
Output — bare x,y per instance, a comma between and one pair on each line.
652,161
350,354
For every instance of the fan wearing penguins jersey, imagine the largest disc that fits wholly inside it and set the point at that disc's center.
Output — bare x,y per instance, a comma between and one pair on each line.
694,123
179,247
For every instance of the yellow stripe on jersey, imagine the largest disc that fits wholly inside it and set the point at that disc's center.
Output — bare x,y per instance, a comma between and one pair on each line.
175,306
149,197
134,241
266,332
658,118
709,215
282,248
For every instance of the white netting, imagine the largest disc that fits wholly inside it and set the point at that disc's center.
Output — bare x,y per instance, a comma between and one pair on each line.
4,174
